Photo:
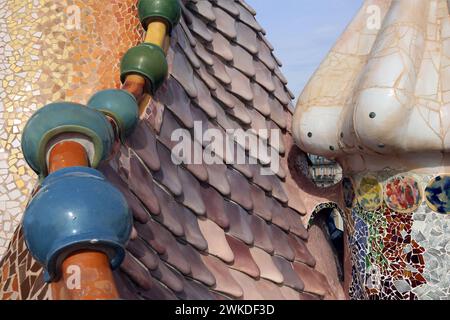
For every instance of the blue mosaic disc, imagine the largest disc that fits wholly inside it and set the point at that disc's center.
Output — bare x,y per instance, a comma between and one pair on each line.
438,194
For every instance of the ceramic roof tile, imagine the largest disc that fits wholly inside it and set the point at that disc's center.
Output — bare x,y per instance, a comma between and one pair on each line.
280,243
261,180
228,6
280,92
291,278
168,175
276,141
143,253
171,212
283,79
239,224
307,296
222,118
204,8
224,96
204,99
243,61
225,283
219,72
168,277
136,271
173,96
143,142
217,244
221,46
225,23
240,112
191,196
301,252
277,113
203,54
126,288
207,78
139,213
246,37
314,281
295,223
141,183
289,293
183,72
278,217
154,235
263,77
189,35
240,189
243,260
261,99
261,233
158,292
215,209
259,124
247,6
192,232
198,27
188,51
265,55
278,191
260,207
199,271
248,286
169,125
217,178
195,291
240,84
247,17
269,290
266,265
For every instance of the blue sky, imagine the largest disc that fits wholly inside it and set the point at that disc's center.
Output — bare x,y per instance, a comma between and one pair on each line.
303,31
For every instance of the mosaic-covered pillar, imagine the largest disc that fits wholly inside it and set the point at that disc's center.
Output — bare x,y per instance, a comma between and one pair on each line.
379,105
51,51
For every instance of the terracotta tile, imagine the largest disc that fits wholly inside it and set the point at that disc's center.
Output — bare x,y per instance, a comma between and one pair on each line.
266,265
243,260
278,191
154,234
307,296
239,224
215,209
168,175
243,61
225,283
141,183
219,72
261,99
261,180
198,27
182,40
247,17
265,55
217,243
289,294
278,217
203,54
263,77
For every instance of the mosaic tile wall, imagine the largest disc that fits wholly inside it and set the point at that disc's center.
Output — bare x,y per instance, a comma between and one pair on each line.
48,52
398,255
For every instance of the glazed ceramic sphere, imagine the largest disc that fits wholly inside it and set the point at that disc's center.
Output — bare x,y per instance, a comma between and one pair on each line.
60,51
383,87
